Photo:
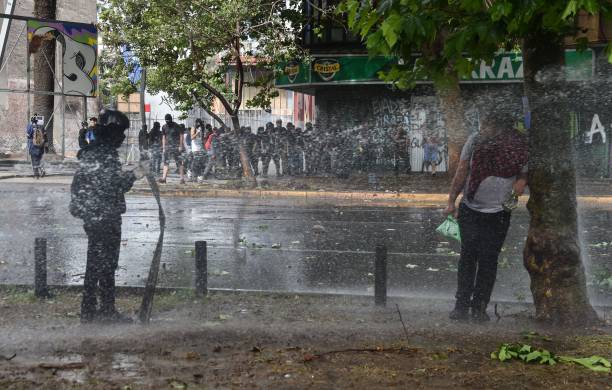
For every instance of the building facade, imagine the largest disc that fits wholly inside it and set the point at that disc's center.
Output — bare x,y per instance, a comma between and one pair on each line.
348,94
14,106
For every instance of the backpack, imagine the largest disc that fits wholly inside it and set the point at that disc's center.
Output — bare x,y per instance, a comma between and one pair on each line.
38,138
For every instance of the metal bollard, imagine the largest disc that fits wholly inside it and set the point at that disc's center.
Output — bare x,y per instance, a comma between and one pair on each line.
201,267
41,289
380,276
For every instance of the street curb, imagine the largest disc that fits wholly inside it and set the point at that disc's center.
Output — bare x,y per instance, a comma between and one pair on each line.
420,198
23,176
138,291
435,198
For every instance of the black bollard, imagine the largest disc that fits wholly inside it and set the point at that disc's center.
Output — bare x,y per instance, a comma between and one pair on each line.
380,276
41,289
201,266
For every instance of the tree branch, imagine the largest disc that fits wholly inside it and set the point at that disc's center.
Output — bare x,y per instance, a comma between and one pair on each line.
206,108
239,72
219,96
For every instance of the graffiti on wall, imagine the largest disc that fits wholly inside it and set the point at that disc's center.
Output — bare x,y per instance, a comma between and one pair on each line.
420,117
79,53
592,144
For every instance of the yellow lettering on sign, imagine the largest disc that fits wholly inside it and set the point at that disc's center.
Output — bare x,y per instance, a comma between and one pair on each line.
292,70
327,68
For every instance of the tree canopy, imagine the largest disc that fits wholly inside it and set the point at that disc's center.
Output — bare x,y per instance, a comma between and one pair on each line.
451,36
198,50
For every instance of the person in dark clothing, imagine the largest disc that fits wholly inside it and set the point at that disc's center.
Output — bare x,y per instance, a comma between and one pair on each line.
173,147
309,149
82,135
269,146
155,147
289,165
250,141
143,139
492,169
281,148
98,198
401,151
86,135
37,139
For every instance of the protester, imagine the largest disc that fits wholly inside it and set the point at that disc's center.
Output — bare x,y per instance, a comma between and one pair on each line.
98,198
212,150
431,154
492,168
155,146
83,135
173,148
281,146
401,146
271,145
299,147
309,149
187,153
250,142
143,140
197,148
37,139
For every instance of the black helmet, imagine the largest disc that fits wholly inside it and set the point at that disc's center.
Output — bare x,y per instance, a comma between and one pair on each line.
168,117
114,118
111,126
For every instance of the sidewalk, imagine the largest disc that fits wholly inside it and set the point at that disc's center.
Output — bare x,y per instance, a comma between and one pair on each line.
412,188
284,341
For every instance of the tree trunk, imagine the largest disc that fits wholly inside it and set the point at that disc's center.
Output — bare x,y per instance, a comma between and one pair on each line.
552,251
451,106
247,172
42,72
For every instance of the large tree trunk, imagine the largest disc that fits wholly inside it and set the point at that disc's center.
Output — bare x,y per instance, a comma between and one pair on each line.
247,172
42,72
451,106
552,251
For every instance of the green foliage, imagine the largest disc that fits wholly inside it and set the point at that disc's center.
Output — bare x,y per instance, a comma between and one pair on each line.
201,49
528,354
452,36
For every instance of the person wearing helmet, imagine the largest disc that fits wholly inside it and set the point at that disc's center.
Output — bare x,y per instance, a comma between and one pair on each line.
98,198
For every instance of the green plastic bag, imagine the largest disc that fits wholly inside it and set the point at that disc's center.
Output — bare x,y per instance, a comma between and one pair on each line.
450,228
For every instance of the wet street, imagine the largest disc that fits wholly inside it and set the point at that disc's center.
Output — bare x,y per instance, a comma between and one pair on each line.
281,245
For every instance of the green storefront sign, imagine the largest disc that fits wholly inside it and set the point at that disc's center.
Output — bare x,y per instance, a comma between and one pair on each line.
360,69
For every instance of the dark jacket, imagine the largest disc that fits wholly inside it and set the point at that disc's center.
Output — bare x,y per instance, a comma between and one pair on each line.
99,185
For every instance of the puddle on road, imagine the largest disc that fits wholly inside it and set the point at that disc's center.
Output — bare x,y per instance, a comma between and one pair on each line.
116,365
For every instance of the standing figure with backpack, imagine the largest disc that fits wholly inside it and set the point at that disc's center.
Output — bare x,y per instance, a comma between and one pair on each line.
36,146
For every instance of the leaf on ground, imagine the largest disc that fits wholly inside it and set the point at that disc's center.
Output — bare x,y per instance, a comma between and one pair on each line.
594,363
178,385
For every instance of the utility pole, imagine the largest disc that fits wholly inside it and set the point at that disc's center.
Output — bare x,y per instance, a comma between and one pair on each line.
143,87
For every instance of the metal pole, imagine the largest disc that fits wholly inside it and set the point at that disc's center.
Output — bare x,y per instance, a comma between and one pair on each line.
127,139
84,108
201,266
143,88
40,268
380,276
28,70
63,111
